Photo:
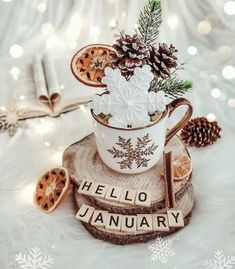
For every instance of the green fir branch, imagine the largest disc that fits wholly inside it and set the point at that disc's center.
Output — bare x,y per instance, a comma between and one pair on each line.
172,86
149,22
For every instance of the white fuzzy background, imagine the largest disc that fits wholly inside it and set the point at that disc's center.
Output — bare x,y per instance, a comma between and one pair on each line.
63,26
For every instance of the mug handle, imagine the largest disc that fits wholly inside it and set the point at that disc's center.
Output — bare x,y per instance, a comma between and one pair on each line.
171,107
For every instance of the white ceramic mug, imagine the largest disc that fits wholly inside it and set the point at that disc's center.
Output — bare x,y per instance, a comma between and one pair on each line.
136,150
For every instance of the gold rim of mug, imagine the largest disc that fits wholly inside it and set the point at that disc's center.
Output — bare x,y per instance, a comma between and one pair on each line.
131,129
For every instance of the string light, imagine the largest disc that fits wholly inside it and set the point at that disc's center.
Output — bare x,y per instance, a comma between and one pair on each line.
192,50
16,51
173,21
3,108
44,127
62,86
47,143
22,97
15,72
228,72
229,8
123,14
82,107
204,27
231,102
215,92
211,117
113,23
42,7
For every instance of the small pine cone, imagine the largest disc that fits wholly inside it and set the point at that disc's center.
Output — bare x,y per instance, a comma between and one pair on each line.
130,53
162,60
200,132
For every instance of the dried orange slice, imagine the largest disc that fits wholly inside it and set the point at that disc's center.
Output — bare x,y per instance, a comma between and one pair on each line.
51,189
88,64
182,167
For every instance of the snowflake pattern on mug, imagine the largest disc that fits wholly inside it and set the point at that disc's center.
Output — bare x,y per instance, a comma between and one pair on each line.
128,102
130,154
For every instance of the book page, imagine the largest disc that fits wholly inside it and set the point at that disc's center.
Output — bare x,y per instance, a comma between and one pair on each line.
18,87
51,79
40,82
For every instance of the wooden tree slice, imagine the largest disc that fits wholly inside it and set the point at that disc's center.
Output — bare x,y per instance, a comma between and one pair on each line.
185,203
83,162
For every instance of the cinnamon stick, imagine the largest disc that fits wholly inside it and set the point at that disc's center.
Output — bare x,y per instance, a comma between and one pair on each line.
169,182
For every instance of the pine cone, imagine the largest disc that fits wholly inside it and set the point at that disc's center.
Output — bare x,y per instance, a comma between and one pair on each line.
130,53
200,132
162,60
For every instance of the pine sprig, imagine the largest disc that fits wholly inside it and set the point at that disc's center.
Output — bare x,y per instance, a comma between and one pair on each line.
149,22
173,87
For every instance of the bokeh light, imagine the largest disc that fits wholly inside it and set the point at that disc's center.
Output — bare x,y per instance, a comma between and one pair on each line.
173,21
204,27
215,92
192,50
42,7
225,51
47,29
211,117
228,72
229,8
15,72
16,51
231,102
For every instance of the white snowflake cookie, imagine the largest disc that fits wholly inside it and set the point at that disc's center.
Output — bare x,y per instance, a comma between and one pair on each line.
129,102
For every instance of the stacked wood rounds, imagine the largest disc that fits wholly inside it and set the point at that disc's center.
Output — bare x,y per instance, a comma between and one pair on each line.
83,162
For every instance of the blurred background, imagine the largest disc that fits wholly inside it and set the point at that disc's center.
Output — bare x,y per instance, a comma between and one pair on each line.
202,31
204,34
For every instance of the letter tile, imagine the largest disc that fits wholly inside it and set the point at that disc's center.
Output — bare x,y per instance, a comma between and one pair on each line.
129,223
86,187
99,190
143,198
113,193
85,212
175,218
99,218
160,222
114,222
128,196
144,222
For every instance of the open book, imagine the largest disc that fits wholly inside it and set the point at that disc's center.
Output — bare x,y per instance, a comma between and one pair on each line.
43,87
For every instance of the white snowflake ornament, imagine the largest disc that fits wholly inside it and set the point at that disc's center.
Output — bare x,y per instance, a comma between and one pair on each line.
129,102
10,120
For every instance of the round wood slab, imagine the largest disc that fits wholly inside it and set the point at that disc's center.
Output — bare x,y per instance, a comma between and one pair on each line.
83,162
